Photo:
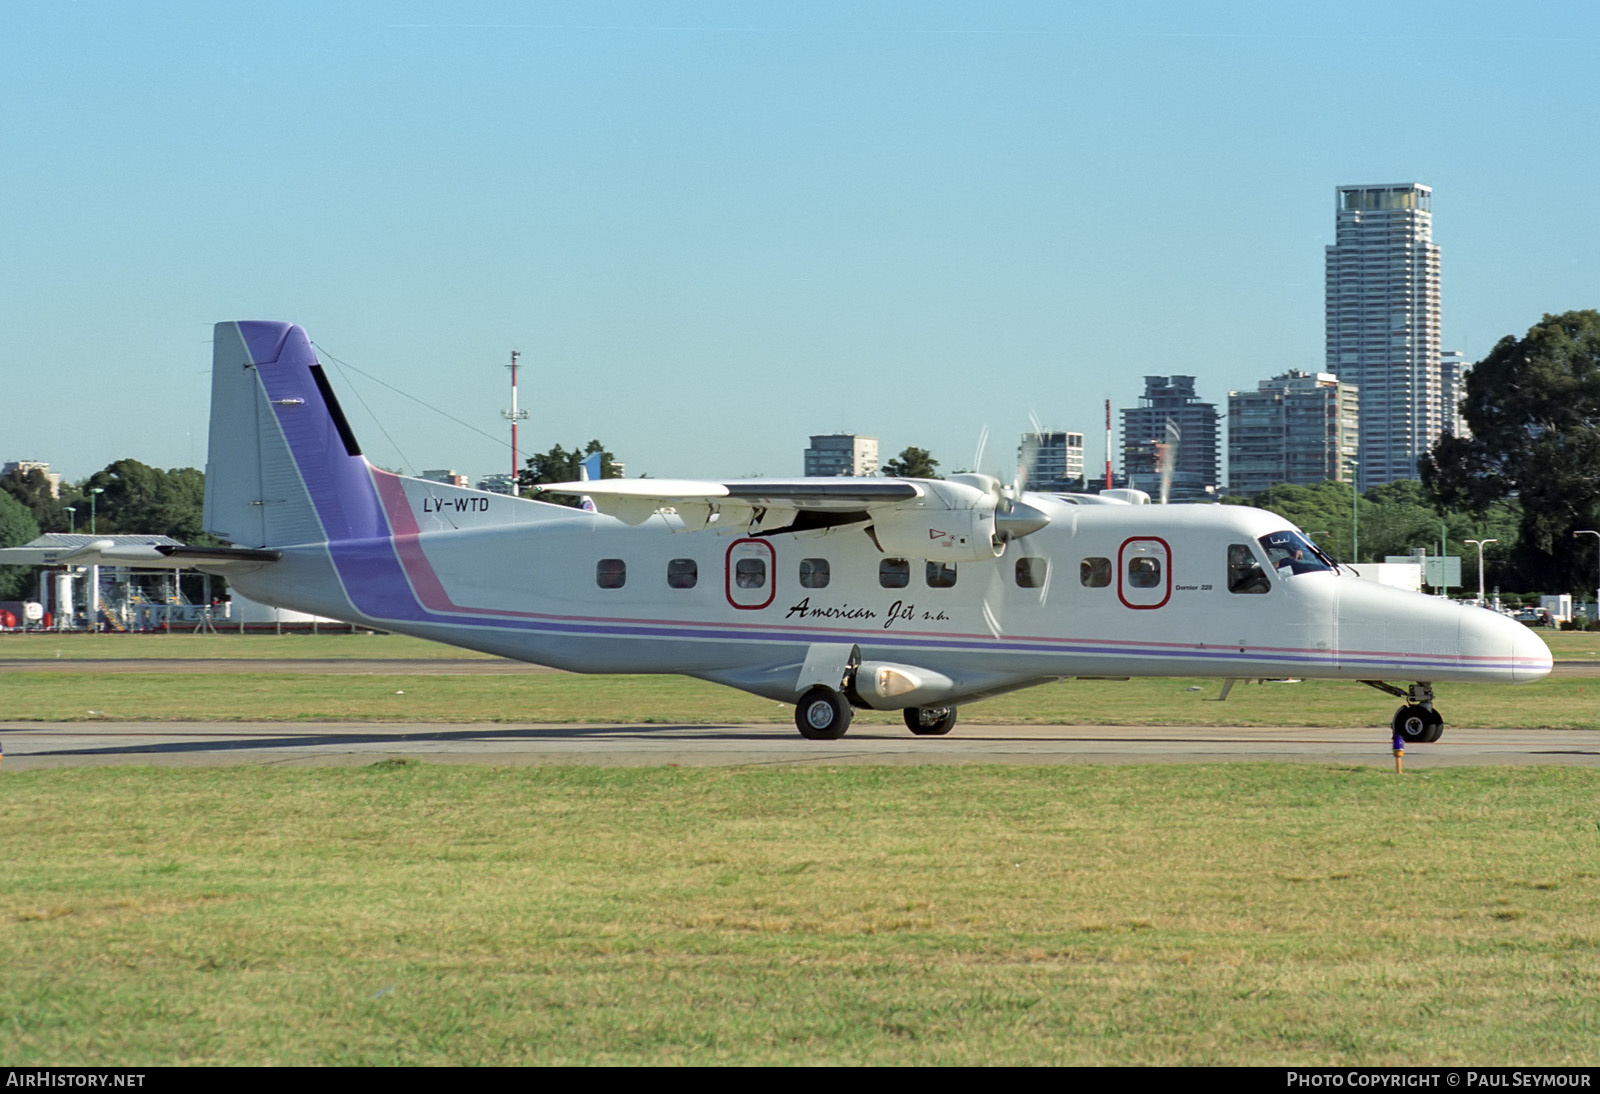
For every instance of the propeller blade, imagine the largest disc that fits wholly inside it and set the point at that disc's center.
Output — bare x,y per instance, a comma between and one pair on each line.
983,443
1167,457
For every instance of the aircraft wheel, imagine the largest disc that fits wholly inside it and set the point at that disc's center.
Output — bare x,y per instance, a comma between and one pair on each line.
1418,725
822,714
930,721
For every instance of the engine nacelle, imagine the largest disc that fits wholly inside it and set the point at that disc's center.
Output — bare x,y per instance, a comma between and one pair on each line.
884,685
964,534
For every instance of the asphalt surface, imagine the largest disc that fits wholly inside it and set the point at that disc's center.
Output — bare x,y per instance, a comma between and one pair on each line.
34,745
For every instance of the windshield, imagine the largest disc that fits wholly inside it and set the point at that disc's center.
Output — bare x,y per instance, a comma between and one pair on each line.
1291,553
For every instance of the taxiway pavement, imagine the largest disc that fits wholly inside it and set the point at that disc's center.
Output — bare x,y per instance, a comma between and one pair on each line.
34,745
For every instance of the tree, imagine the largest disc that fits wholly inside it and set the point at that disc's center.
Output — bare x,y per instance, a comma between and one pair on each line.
559,465
32,489
912,463
137,499
17,527
1533,408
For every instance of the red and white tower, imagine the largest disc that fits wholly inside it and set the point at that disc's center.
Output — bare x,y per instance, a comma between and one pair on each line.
515,416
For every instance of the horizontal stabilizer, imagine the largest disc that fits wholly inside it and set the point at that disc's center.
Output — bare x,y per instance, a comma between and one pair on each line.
149,556
191,556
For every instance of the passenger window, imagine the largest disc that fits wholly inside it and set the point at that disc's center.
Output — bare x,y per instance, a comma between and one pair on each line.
1031,572
682,573
1095,572
611,573
1245,574
1144,572
894,573
941,575
814,573
750,573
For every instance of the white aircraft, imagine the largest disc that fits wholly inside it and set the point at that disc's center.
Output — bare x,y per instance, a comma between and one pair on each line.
832,594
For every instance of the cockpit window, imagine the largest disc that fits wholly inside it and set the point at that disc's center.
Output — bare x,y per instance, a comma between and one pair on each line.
1245,574
1291,553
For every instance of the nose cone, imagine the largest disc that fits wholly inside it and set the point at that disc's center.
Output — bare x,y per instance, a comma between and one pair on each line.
1492,639
1531,655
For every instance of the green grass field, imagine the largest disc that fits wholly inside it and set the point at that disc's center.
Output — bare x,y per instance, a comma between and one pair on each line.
405,913
414,914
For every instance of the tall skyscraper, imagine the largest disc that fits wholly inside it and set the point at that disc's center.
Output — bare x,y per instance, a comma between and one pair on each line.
1299,427
1382,300
1144,427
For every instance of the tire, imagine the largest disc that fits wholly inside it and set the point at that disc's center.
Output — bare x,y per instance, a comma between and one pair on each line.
930,721
822,714
1418,725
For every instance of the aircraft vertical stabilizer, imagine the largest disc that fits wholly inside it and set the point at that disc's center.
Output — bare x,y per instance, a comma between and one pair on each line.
282,467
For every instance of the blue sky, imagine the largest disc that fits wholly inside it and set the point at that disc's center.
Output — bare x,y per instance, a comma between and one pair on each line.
713,229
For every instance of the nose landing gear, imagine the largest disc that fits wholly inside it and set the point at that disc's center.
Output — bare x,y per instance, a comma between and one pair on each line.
1417,722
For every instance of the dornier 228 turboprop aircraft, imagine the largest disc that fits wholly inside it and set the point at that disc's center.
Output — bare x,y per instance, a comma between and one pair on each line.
832,594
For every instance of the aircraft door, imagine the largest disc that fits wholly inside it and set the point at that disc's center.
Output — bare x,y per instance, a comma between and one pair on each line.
751,577
1144,572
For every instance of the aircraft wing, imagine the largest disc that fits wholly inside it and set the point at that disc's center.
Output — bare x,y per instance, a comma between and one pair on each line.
744,505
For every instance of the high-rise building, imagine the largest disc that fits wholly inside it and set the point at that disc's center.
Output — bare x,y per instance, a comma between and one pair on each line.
1053,459
23,467
1171,399
1453,369
1299,427
1382,303
842,454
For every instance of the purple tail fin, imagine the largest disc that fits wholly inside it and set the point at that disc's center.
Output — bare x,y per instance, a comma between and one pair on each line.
283,466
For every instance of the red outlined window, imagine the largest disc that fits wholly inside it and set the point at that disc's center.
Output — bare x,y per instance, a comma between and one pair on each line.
1144,572
750,574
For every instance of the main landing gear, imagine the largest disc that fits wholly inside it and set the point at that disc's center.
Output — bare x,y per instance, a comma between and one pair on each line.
824,715
1417,722
930,721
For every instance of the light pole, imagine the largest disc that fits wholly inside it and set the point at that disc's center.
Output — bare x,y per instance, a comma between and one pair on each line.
1355,519
1482,543
72,518
92,494
1596,535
